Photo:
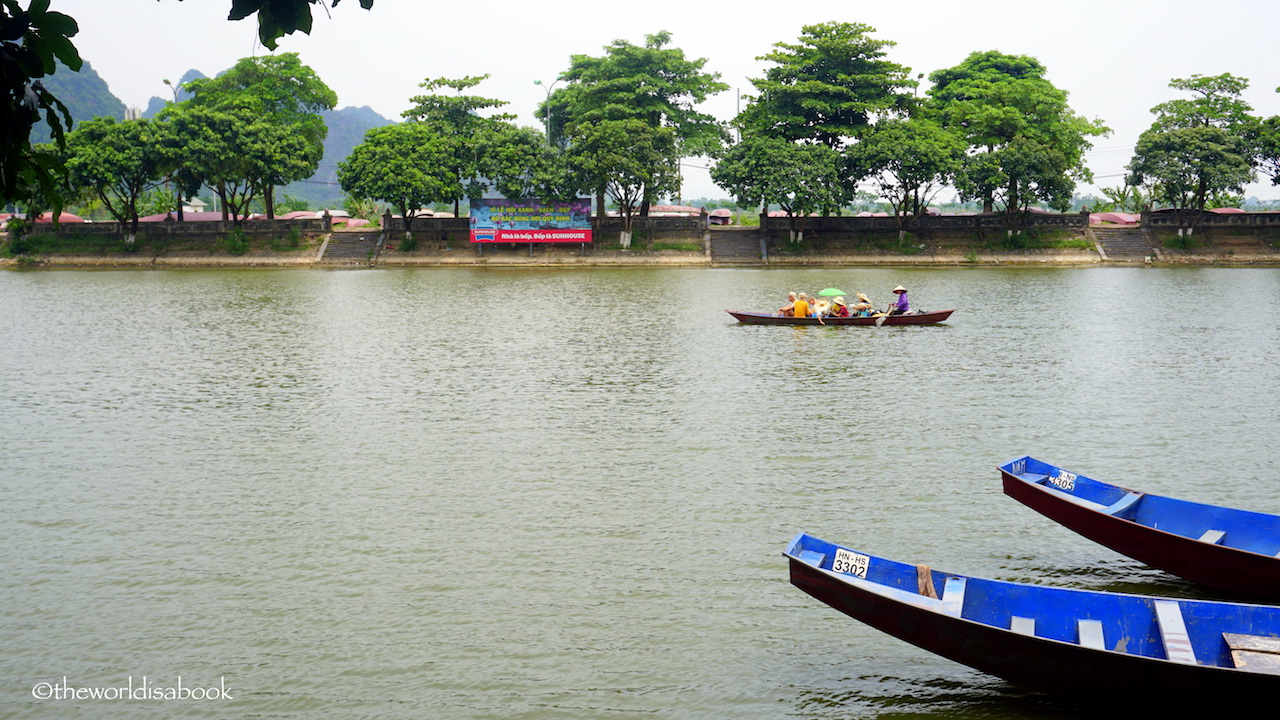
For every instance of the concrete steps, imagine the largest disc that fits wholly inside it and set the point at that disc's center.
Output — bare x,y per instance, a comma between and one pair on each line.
735,247
1124,244
352,248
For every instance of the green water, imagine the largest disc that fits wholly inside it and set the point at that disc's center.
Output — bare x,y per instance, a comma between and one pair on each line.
564,494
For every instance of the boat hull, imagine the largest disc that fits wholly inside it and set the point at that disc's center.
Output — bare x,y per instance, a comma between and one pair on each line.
1183,553
926,318
1047,665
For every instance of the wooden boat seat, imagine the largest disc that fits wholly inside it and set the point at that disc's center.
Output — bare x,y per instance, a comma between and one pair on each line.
1090,632
1177,644
1213,537
812,557
1256,653
953,596
1034,478
1118,506
1023,625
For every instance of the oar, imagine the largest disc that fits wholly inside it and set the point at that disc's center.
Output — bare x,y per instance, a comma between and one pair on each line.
880,320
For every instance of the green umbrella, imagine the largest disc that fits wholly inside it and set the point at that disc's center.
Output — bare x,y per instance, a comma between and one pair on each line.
832,292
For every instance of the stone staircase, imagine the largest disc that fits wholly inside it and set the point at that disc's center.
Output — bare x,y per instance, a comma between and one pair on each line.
735,247
352,248
1124,244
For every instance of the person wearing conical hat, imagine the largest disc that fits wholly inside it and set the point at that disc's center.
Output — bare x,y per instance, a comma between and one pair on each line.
901,306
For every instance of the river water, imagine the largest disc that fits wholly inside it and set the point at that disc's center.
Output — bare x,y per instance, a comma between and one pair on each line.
483,493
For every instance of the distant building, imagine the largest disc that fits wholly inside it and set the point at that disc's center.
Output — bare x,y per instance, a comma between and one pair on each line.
133,113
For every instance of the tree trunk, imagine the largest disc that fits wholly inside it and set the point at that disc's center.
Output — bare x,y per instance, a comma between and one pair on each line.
269,199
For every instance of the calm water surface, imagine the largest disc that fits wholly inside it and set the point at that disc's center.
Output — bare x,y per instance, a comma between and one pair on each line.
564,494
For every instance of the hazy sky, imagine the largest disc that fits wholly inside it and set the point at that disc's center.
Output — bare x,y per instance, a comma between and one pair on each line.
1115,58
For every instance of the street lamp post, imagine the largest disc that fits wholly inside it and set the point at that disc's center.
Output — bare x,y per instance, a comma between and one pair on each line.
178,186
548,88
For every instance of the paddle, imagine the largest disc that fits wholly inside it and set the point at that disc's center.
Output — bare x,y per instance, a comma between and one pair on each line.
880,320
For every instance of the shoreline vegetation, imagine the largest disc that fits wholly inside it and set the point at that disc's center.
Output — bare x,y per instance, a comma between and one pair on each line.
1078,248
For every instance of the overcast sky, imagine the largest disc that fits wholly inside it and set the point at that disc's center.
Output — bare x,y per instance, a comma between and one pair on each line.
1115,58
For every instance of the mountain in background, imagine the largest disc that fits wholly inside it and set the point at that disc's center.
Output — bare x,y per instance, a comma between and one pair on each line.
84,93
346,130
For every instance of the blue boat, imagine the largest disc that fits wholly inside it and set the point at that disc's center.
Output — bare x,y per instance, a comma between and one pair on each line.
1229,549
1076,643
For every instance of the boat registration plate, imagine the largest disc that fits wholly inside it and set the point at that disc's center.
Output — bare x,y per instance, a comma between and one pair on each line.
850,563
1064,480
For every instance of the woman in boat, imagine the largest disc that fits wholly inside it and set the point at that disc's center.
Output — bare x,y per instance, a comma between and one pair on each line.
863,307
838,308
901,306
790,309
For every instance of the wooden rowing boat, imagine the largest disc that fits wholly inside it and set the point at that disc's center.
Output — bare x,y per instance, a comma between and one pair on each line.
1223,547
923,318
1077,643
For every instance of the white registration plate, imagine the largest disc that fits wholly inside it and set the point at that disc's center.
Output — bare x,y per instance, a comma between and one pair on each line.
850,563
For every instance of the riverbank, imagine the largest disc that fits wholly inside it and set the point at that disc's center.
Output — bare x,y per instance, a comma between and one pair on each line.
1249,252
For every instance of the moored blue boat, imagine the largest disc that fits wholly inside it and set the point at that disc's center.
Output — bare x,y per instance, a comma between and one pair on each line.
1076,643
1230,549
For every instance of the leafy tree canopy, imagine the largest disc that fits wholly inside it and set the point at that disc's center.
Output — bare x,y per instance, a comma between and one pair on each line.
765,170
32,43
408,165
909,161
632,160
519,163
277,18
116,161
1199,146
284,98
1215,102
829,87
1025,143
652,83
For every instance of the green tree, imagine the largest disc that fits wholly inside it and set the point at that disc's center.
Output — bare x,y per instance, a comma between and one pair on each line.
1025,143
518,163
277,18
32,42
232,151
652,84
119,162
767,170
1199,146
1268,157
910,161
408,165
630,159
282,94
458,116
828,88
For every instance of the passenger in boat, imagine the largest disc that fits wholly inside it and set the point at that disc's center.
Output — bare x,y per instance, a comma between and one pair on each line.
801,306
821,308
790,309
838,308
863,307
901,306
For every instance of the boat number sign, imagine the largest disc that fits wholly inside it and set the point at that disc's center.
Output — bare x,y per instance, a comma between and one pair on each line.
850,563
1064,480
